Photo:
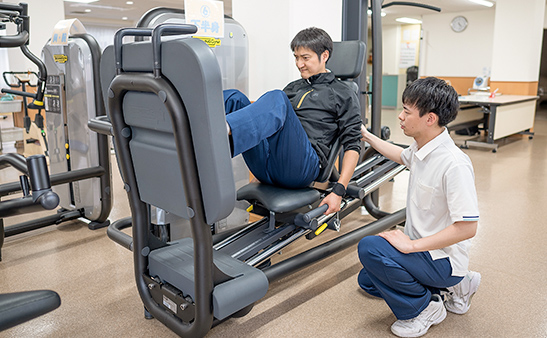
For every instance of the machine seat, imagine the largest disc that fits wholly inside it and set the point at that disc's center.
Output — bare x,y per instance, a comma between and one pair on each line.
276,199
281,200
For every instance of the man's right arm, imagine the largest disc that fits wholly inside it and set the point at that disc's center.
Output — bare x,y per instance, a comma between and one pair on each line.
389,150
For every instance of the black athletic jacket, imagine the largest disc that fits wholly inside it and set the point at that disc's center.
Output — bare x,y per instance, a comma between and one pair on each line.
327,108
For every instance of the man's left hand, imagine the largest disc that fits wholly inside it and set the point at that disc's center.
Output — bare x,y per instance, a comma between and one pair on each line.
333,201
399,240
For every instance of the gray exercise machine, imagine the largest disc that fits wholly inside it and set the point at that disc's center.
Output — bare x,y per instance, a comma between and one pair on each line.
166,109
232,56
72,97
19,307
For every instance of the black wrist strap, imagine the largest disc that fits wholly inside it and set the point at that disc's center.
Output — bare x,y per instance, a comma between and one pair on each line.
339,189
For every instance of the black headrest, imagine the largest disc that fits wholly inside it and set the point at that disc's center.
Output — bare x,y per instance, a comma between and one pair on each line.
347,59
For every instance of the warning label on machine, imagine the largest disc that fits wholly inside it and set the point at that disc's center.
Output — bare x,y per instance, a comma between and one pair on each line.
211,42
60,58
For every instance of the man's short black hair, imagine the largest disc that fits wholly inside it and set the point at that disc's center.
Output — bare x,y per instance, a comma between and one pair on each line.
433,95
313,38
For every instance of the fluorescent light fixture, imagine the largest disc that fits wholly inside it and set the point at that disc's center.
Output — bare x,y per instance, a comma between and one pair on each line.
409,20
483,2
87,10
129,2
82,1
124,18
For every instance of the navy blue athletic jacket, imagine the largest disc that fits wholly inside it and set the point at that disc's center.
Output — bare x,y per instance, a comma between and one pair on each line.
327,108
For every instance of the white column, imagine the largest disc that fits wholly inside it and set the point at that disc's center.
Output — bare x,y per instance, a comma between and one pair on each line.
517,40
270,26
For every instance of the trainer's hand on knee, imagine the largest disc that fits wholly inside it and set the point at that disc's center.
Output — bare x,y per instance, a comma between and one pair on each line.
399,240
333,201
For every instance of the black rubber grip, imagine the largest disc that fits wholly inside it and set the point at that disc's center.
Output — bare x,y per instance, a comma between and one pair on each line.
314,213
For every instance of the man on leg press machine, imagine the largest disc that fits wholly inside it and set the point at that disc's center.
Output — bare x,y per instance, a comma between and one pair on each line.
285,137
174,153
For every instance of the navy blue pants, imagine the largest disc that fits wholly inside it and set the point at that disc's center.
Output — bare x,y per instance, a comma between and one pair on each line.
404,281
271,139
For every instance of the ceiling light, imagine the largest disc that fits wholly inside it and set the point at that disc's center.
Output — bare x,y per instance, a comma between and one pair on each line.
87,10
124,18
129,2
483,2
82,1
409,20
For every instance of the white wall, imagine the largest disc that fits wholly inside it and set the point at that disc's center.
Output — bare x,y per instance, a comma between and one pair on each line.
447,53
4,64
44,14
391,42
270,26
518,36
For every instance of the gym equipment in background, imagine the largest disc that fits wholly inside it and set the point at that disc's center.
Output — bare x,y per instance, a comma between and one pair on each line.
79,159
19,307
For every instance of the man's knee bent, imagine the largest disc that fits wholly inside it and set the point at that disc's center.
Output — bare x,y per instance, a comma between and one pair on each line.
278,96
234,100
370,247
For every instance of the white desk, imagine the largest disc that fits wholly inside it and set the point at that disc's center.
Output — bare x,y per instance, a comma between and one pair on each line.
8,107
506,115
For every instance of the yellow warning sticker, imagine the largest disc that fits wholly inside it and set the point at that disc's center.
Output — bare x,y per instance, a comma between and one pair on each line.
60,58
211,42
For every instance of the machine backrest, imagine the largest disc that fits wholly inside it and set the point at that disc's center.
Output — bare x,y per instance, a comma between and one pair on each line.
346,62
192,69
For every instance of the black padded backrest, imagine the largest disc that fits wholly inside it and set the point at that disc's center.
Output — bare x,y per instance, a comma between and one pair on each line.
192,68
346,62
324,173
347,59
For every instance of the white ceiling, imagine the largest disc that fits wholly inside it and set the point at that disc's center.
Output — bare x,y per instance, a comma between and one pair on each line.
111,12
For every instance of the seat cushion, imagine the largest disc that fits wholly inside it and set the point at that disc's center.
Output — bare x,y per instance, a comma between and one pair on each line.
278,200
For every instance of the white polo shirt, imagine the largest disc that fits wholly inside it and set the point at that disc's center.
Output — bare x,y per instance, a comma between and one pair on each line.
441,191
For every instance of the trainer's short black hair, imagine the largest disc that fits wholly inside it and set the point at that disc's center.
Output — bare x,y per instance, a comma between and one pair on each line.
433,95
313,38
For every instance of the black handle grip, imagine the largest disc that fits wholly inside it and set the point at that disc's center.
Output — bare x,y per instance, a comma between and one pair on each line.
18,92
355,192
17,161
314,213
19,82
118,42
17,14
14,40
167,29
101,125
